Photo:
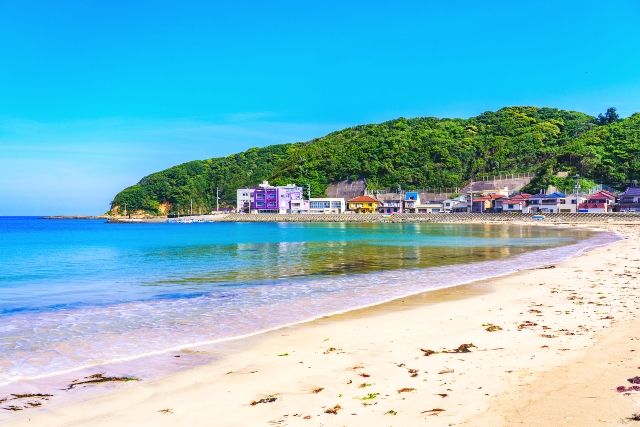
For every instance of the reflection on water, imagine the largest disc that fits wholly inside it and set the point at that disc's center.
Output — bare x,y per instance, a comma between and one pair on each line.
371,247
78,293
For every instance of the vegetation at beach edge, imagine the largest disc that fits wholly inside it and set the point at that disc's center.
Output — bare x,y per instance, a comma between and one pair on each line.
410,154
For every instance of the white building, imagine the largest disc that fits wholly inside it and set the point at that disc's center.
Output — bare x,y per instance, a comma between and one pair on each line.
244,199
449,205
429,207
327,205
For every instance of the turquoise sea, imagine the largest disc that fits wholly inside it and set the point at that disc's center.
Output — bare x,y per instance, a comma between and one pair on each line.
75,293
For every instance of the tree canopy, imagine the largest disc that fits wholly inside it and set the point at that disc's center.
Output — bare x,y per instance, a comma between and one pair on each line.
410,154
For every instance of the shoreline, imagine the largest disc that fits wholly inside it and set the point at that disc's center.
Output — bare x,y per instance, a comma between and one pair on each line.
374,313
575,249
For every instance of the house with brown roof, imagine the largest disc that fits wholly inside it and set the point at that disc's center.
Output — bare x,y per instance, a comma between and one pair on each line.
363,204
516,203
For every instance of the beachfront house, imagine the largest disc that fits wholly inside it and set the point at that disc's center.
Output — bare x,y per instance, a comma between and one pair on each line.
517,203
390,203
599,202
486,203
546,203
363,204
429,207
411,201
327,205
555,202
455,204
630,200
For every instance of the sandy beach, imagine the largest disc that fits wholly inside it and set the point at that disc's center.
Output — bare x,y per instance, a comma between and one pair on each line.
541,347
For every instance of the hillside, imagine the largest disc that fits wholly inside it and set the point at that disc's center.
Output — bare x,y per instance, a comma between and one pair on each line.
410,153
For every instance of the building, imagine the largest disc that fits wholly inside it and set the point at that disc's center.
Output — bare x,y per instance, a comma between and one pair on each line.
555,202
455,204
244,199
486,203
363,204
390,203
518,203
329,205
571,203
429,207
630,200
602,201
269,199
411,201
546,203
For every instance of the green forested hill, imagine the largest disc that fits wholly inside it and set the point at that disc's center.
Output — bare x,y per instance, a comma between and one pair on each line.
412,153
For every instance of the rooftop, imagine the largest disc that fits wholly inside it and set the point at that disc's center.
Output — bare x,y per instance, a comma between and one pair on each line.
363,199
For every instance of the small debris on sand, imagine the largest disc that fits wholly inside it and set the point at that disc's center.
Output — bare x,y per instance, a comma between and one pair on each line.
427,352
268,399
462,348
317,390
333,410
406,390
166,411
489,327
434,411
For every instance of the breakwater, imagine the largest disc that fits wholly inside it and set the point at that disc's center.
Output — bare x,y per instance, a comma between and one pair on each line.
561,218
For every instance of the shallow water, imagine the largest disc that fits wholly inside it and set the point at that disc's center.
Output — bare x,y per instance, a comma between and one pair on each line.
78,293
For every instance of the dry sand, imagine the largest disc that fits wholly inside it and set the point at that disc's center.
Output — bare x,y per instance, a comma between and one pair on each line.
559,342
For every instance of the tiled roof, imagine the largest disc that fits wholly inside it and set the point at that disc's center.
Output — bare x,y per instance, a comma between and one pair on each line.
632,191
602,195
555,195
363,199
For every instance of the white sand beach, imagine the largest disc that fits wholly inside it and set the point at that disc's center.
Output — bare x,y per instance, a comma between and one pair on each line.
537,348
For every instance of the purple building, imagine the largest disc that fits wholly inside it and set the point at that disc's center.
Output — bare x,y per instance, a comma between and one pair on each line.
630,200
278,200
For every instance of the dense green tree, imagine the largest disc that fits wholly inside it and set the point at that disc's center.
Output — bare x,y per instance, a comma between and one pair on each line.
410,154
610,116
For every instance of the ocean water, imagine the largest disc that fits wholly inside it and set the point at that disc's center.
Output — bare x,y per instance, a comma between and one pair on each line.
77,293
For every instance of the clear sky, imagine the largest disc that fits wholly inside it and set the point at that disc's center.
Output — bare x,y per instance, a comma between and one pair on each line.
96,94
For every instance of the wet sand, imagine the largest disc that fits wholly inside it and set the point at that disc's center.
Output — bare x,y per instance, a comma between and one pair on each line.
539,347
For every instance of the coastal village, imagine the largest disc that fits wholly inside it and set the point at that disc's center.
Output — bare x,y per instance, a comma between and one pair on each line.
488,196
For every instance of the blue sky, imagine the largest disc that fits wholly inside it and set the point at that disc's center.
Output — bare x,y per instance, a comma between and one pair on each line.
94,95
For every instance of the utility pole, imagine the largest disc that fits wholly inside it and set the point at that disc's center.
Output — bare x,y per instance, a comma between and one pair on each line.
125,209
217,200
191,208
309,191
471,202
577,190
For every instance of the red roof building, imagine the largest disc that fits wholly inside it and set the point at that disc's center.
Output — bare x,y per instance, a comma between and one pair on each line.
602,201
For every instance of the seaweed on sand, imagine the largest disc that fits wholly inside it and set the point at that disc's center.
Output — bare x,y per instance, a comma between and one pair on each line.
31,395
268,399
634,417
462,348
333,410
490,327
434,411
99,378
